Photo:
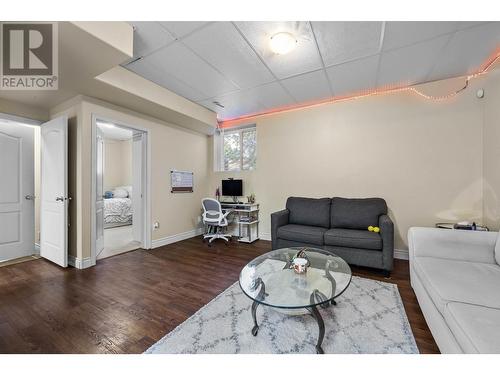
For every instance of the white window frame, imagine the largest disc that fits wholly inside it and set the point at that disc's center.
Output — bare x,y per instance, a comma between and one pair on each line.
219,147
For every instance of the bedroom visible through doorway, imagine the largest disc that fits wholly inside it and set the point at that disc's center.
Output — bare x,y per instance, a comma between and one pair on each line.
119,186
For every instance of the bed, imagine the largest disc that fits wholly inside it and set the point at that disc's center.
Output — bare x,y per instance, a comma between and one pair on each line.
117,212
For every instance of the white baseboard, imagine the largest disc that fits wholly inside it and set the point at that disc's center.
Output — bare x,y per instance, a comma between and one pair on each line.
265,236
398,253
401,254
80,263
176,238
37,249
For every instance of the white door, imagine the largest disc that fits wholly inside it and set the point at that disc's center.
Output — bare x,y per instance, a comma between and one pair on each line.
54,191
137,186
17,208
99,204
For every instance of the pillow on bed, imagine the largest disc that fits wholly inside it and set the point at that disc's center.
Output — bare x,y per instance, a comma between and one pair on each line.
108,195
127,188
120,193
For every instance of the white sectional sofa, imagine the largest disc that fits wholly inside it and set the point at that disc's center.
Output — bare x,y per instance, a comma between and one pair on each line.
456,277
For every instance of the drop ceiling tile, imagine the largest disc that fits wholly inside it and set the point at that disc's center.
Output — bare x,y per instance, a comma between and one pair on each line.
149,36
400,34
353,77
272,95
224,48
178,61
235,104
467,24
251,101
467,50
340,42
410,65
164,79
182,28
308,86
304,58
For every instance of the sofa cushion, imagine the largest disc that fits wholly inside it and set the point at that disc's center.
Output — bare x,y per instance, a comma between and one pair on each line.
475,327
302,233
309,211
355,238
356,213
448,280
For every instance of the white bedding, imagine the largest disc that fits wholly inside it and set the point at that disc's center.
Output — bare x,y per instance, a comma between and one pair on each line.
117,211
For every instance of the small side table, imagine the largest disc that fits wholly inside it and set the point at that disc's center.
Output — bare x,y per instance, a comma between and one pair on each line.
481,228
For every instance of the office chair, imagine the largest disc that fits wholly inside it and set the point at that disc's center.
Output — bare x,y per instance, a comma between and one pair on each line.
214,219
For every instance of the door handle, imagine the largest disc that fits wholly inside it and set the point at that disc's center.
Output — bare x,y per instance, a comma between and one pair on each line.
29,197
62,199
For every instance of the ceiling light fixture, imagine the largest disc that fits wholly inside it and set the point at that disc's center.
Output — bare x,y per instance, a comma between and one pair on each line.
282,43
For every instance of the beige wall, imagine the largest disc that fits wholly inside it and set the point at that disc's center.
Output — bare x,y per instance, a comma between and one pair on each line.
117,163
423,157
23,110
491,152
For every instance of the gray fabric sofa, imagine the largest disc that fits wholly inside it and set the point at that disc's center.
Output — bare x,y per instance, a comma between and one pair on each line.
338,225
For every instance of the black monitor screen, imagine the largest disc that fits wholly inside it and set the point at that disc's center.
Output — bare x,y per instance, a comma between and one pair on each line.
232,188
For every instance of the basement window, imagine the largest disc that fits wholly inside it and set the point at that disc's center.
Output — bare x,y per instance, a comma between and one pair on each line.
235,149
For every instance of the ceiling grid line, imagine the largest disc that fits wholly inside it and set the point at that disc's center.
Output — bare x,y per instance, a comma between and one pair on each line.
322,60
436,60
232,62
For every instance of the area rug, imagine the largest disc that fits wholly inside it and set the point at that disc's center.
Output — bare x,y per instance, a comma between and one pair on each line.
369,318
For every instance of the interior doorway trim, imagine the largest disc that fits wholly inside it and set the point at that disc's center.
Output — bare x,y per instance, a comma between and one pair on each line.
146,165
22,120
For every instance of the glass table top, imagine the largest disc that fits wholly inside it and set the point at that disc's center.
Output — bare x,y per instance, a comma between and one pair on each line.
271,280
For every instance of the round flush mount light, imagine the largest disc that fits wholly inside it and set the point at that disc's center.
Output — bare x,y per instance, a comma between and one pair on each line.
282,43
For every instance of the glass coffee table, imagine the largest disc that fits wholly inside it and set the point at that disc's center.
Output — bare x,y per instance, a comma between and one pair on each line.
271,280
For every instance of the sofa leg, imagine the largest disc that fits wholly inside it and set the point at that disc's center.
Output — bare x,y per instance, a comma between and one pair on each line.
386,273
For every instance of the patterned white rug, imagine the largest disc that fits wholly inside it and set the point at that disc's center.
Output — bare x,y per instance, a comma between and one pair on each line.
369,318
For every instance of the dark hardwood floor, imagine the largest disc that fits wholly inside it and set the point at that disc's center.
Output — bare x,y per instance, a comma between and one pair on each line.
128,302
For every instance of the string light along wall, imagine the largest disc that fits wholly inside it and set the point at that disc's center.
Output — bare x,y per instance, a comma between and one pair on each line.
384,90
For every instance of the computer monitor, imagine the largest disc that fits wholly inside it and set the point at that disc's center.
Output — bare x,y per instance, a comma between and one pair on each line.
232,188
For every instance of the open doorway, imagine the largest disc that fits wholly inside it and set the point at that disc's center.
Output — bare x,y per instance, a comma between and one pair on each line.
120,190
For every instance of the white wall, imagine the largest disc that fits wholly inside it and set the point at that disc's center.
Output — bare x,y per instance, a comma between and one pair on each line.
491,152
117,163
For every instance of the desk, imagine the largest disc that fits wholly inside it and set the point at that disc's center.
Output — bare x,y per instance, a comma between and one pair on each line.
243,220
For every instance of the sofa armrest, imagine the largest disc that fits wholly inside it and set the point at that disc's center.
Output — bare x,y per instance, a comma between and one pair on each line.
278,219
387,233
471,246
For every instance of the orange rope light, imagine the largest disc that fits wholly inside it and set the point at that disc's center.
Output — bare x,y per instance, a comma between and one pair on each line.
384,90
